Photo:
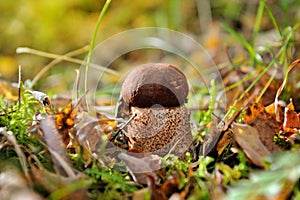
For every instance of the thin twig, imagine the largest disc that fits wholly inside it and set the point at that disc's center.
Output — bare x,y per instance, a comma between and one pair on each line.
77,83
12,139
65,58
56,61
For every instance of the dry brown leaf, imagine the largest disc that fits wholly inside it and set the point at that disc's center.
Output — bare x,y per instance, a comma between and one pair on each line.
171,185
248,139
224,141
155,192
265,124
55,145
60,102
291,120
281,88
141,166
62,110
229,78
270,109
210,140
65,120
255,110
51,182
89,136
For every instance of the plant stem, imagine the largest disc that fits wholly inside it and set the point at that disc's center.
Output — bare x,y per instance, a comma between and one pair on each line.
92,44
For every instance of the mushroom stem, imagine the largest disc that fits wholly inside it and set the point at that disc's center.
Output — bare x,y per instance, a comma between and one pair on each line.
160,130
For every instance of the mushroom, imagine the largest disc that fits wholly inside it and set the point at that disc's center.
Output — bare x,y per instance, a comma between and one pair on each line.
155,94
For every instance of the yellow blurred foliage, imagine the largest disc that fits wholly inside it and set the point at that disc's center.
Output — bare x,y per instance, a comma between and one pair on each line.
8,66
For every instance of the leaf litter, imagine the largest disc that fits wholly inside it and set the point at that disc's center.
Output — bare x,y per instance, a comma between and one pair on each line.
65,154
56,129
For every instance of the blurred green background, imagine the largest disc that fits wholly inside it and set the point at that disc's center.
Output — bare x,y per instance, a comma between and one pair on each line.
58,26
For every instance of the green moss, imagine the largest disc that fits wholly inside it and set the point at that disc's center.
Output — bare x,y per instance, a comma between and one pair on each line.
18,117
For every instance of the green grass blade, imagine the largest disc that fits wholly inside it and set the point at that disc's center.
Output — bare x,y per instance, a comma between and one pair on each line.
259,14
245,43
272,17
92,44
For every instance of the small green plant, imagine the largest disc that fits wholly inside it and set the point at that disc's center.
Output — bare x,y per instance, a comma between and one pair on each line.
18,116
109,183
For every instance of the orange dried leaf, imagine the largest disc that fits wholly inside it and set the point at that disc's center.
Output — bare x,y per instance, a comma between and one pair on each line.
255,109
291,106
224,141
291,119
65,119
270,109
265,123
59,120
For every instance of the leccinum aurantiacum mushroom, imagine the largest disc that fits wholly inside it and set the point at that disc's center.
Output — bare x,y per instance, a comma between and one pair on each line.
160,124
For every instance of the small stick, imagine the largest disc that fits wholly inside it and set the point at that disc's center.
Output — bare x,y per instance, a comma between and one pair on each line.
123,126
54,62
65,58
77,83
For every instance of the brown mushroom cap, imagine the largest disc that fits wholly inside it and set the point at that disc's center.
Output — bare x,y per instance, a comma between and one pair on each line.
155,83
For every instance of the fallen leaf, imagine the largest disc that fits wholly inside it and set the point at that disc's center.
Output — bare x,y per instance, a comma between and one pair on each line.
171,185
141,166
55,145
291,120
280,89
65,119
270,109
55,183
248,139
89,136
155,192
224,141
210,140
265,124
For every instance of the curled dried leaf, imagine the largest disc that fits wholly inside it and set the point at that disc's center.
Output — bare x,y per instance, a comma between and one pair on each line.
282,86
